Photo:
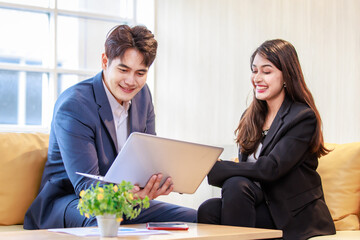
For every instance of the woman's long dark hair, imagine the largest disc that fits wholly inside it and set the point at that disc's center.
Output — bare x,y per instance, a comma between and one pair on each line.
283,55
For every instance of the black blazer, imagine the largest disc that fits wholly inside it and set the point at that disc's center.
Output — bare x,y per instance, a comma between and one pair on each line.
286,170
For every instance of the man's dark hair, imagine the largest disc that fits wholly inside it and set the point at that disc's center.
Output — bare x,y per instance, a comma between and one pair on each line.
123,37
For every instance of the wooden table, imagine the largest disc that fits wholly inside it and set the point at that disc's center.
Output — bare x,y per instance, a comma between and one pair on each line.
196,231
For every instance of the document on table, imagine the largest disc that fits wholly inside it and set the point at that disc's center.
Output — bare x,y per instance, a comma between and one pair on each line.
84,231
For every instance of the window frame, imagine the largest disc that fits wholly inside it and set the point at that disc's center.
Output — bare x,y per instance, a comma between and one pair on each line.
53,70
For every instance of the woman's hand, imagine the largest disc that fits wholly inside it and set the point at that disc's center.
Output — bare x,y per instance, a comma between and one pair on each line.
153,189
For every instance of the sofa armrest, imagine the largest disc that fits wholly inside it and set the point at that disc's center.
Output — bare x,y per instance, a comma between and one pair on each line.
340,174
23,157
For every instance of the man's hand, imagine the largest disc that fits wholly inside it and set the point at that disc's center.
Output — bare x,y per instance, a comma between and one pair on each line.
153,189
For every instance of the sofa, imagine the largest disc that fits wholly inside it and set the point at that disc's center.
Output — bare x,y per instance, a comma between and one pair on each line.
23,156
22,160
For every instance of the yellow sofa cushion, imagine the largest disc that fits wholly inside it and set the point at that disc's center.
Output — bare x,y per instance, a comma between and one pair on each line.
340,174
22,160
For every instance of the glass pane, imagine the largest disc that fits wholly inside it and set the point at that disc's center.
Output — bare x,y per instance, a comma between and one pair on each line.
33,98
21,95
9,88
26,39
38,3
81,42
120,8
145,13
67,80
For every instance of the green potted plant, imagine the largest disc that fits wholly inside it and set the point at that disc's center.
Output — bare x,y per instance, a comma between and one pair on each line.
109,203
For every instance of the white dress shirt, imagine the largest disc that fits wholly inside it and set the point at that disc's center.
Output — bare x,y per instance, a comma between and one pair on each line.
120,115
254,157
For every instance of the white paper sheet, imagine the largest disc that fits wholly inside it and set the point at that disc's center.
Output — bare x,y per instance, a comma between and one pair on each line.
95,231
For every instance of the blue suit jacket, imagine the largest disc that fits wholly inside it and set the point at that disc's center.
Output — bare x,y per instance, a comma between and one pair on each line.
83,139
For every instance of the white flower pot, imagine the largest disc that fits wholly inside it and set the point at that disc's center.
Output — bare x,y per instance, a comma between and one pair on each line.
108,225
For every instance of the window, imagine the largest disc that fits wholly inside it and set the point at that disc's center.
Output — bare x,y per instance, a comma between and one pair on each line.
49,45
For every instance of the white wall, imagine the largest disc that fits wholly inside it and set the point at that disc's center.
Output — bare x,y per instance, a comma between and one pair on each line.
202,70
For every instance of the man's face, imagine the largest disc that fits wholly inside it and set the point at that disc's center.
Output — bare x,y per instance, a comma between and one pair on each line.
125,77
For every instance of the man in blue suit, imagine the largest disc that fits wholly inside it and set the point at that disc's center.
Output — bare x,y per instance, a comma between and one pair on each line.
91,122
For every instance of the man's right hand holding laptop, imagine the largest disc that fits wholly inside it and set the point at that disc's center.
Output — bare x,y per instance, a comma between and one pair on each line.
153,188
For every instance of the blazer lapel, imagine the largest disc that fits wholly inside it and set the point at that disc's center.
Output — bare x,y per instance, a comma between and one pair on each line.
133,117
277,123
105,112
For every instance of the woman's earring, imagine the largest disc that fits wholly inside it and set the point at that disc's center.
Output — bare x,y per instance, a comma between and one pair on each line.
284,85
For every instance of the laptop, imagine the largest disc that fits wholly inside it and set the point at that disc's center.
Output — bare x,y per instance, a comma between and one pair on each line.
144,155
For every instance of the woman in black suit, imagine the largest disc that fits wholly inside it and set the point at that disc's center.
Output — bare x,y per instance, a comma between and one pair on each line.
275,183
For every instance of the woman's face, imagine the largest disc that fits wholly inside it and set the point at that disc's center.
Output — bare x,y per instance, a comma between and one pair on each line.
267,80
